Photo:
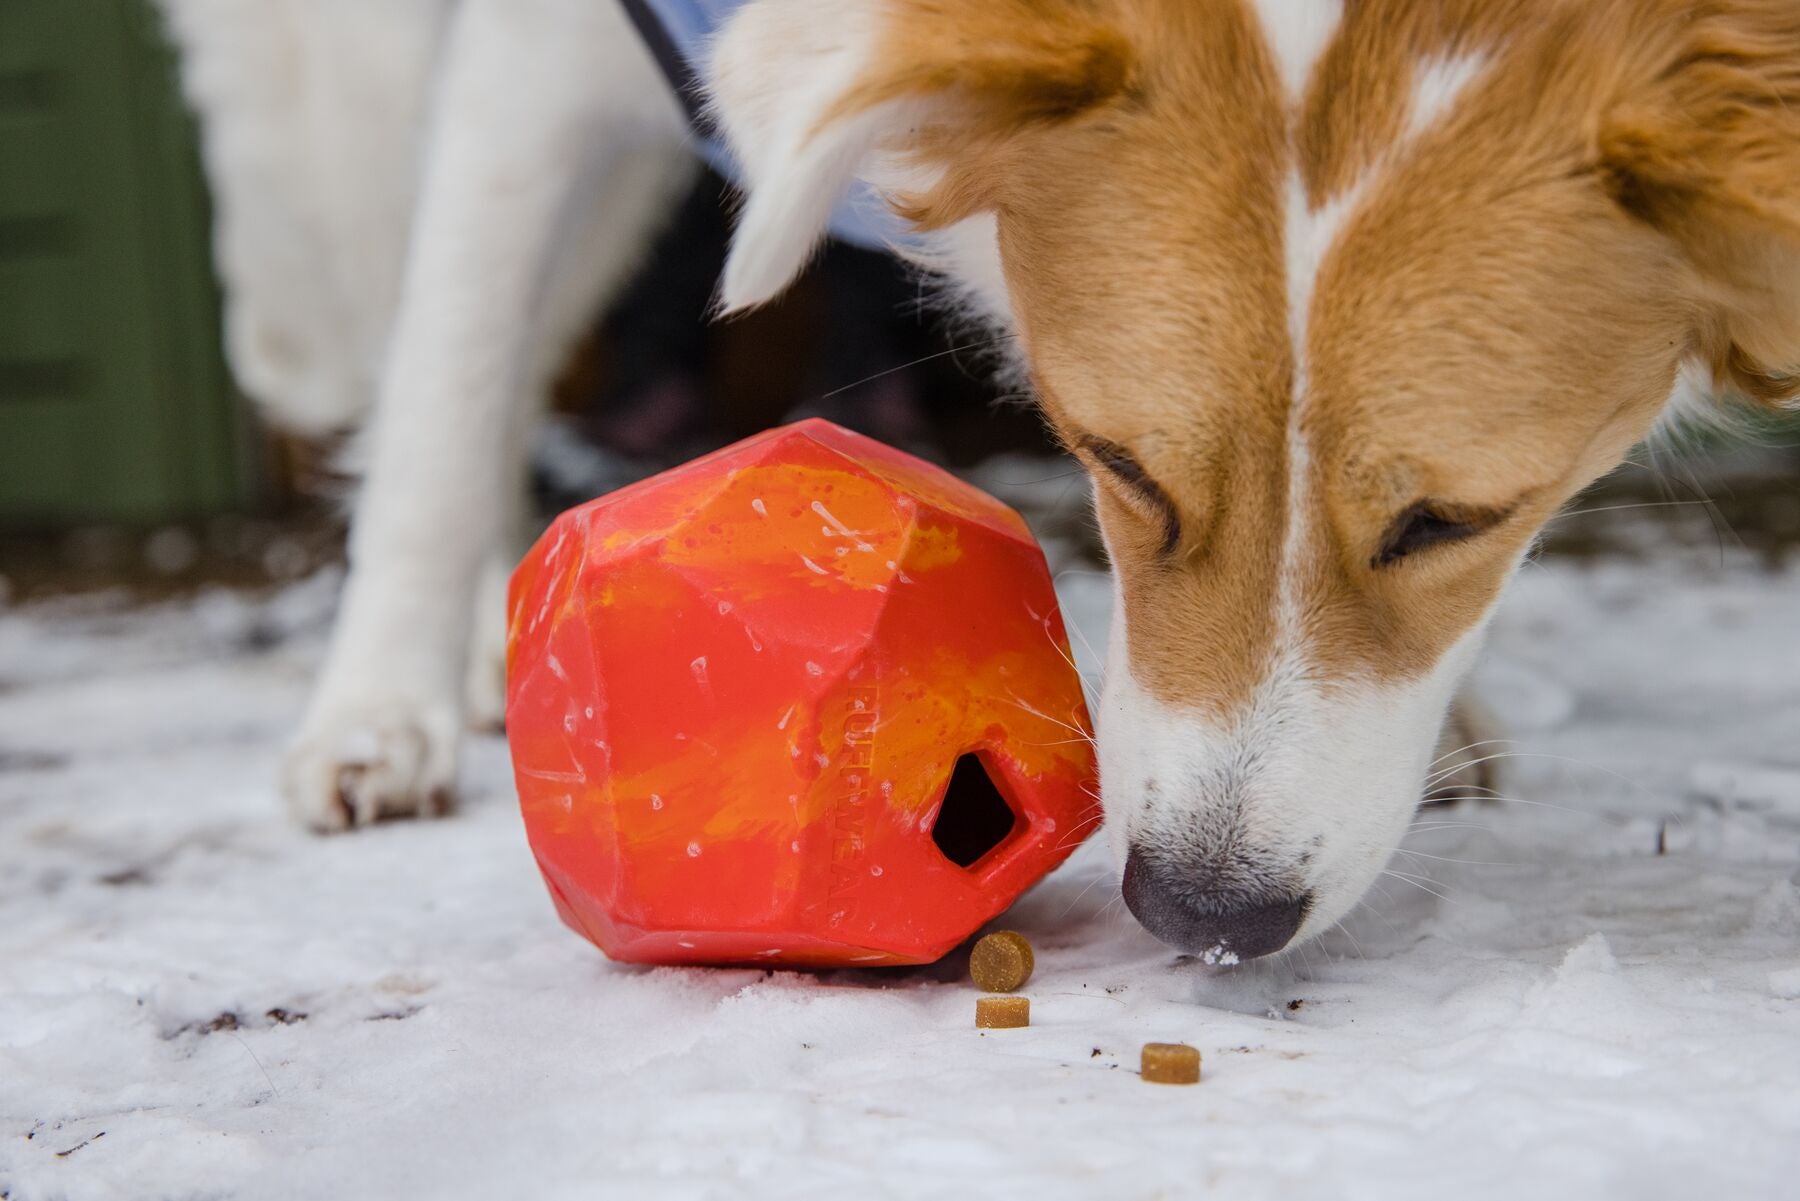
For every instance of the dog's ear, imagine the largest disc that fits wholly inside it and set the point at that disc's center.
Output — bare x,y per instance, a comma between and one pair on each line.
812,94
1704,144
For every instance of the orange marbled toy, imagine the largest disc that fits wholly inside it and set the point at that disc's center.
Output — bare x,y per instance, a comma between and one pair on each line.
738,693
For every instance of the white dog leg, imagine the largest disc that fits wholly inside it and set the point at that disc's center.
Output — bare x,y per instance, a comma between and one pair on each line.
544,106
586,260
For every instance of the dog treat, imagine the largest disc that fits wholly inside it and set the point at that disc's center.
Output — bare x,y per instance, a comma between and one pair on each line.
1001,962
1002,1013
1170,1063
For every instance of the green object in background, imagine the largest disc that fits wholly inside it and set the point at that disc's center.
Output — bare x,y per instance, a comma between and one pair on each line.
115,403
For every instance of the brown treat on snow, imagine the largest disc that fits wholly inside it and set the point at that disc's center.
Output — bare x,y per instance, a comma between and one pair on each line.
1002,1013
1001,962
1170,1063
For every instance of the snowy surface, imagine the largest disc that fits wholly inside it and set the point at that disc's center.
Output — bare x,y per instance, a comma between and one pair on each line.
1591,991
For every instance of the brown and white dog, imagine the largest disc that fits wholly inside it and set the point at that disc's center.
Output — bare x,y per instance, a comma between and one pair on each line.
1338,303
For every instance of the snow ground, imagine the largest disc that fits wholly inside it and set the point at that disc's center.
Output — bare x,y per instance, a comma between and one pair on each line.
198,1001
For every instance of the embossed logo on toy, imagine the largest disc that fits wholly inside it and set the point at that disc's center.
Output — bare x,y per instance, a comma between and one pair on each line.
850,802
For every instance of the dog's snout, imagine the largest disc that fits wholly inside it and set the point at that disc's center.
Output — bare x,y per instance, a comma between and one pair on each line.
1220,923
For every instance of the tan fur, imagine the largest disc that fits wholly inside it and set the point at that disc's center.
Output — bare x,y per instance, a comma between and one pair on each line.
1705,145
1501,316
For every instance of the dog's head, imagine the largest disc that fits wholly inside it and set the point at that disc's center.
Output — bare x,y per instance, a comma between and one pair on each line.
1338,306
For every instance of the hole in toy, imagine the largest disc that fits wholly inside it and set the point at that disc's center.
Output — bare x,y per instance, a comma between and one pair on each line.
974,818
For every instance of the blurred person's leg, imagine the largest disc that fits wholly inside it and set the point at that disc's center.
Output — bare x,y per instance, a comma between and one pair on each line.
549,160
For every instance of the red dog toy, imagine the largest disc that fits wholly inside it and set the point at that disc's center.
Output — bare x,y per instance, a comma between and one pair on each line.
807,700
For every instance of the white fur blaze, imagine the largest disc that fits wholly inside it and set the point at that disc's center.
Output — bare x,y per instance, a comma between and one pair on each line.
1437,86
1297,32
1308,786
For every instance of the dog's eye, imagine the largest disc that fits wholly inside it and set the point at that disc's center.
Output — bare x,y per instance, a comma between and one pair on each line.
1424,525
1150,499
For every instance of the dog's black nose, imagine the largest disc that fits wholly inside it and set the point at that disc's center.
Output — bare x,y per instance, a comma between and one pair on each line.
1222,925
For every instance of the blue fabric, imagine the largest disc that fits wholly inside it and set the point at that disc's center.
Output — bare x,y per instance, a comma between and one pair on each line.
862,217
691,23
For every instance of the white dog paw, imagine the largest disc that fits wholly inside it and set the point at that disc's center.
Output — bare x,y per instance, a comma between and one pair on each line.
371,764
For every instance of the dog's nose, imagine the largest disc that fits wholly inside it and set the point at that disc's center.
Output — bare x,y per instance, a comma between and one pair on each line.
1222,925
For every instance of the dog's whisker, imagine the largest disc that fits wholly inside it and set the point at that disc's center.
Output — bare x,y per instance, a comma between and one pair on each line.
1649,504
1471,746
979,345
1720,526
1092,817
1466,862
1345,930
1637,785
1069,726
1514,800
1444,773
1431,827
1087,686
1080,896
1363,905
1078,832
1415,883
1074,627
1420,875
1481,791
1488,794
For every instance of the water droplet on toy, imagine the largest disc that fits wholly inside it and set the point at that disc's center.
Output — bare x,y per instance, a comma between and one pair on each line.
655,801
876,870
693,850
